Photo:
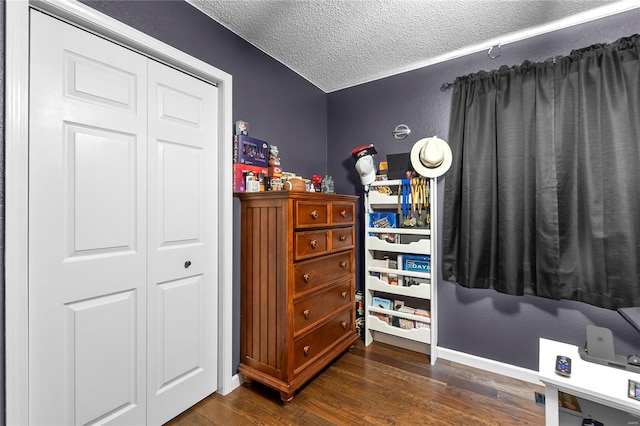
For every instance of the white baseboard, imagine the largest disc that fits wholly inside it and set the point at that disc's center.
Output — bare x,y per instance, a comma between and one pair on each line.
233,384
486,364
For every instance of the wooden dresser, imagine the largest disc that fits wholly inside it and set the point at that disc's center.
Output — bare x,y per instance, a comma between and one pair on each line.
298,285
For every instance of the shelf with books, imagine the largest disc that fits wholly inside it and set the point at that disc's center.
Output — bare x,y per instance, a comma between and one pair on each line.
422,335
422,246
398,314
420,291
399,266
403,231
399,272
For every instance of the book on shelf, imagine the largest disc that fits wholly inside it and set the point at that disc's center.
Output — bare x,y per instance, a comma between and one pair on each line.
400,277
381,302
389,238
416,263
422,313
382,317
409,281
393,277
405,324
381,263
407,310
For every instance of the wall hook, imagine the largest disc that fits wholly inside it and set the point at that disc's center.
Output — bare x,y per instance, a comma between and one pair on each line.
491,50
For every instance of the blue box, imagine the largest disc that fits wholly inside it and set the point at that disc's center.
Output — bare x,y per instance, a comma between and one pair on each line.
382,220
416,263
250,151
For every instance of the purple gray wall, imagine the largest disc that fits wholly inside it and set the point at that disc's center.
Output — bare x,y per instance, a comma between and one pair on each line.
484,323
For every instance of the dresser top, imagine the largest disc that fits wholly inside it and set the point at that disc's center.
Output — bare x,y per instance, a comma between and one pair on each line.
273,195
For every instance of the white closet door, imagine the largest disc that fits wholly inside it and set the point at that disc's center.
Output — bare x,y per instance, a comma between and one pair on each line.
87,228
122,330
183,206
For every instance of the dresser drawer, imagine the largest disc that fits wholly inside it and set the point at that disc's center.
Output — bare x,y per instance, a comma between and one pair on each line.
312,309
309,274
342,238
309,214
342,213
313,344
310,243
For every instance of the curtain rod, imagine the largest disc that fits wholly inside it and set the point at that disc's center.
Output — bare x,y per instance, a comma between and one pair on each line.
446,86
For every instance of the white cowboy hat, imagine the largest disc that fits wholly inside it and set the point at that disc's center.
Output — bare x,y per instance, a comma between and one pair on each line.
431,157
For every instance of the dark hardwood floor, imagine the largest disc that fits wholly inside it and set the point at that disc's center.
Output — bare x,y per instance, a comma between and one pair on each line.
380,385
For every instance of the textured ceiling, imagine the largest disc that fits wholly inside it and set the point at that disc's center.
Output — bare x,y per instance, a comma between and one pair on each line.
341,43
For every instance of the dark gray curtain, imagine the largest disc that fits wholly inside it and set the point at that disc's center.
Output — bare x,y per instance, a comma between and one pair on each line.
543,196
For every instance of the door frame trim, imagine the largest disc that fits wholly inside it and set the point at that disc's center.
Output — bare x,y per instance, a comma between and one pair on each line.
17,183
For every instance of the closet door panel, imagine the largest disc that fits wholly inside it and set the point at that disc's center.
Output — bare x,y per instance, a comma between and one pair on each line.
182,353
179,333
116,355
180,209
102,193
87,228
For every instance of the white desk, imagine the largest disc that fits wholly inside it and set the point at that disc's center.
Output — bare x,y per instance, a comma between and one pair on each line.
607,387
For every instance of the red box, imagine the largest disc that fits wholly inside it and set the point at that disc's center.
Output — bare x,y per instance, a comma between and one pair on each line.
238,178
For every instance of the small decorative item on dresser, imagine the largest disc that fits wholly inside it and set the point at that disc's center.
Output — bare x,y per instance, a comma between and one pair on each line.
316,180
276,184
274,159
242,127
295,185
327,185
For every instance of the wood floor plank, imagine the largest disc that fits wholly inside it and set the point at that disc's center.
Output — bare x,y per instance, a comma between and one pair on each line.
379,385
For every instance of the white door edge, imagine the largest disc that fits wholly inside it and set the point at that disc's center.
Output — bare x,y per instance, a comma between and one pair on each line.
16,183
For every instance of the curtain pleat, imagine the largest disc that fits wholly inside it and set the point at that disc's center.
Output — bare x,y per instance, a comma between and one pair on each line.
543,195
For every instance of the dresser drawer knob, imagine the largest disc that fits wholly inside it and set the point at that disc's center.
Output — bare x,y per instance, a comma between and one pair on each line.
314,243
343,238
315,214
343,324
343,213
306,350
307,313
343,264
343,294
306,277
